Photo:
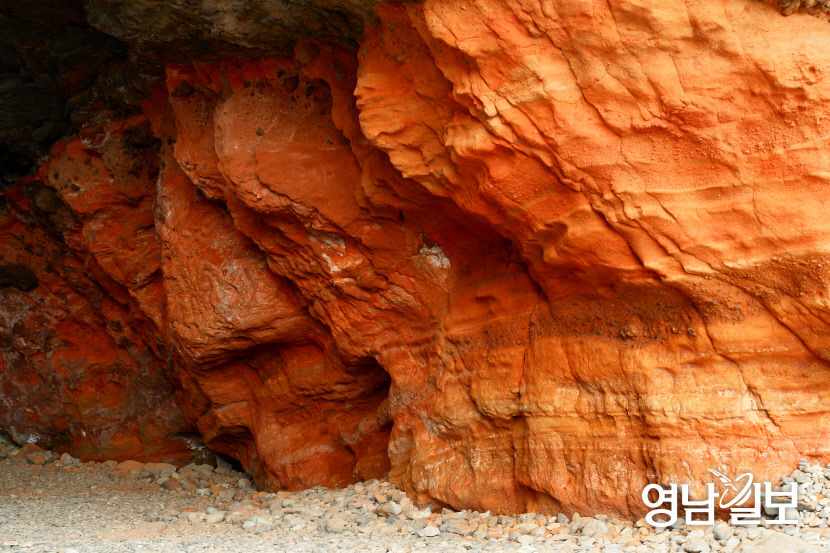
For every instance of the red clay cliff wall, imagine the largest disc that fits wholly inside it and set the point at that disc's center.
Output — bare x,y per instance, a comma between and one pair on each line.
517,255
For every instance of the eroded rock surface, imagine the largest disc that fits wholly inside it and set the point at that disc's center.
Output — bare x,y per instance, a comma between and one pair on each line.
523,256
77,374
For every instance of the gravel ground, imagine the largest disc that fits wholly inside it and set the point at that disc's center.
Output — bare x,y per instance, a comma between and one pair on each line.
59,504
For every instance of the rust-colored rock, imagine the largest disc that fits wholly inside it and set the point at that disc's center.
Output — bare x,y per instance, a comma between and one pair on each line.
34,455
74,374
261,379
519,255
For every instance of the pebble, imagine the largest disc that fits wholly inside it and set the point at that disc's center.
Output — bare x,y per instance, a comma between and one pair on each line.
158,468
391,508
696,546
722,531
172,484
131,465
594,527
245,484
334,525
428,532
753,533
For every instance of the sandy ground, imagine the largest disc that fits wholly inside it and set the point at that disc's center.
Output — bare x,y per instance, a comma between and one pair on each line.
97,507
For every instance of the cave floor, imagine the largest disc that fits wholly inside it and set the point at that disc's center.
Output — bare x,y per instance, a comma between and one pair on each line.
66,506
90,507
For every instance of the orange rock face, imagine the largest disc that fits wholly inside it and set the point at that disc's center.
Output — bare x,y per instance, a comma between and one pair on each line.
661,173
518,256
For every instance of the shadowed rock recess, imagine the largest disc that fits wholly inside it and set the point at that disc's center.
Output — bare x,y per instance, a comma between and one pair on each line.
510,254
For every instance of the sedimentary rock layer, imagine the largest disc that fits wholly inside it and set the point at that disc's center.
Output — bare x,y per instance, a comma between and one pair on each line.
517,255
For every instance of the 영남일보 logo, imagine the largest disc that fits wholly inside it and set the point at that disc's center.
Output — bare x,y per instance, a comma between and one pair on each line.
742,497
